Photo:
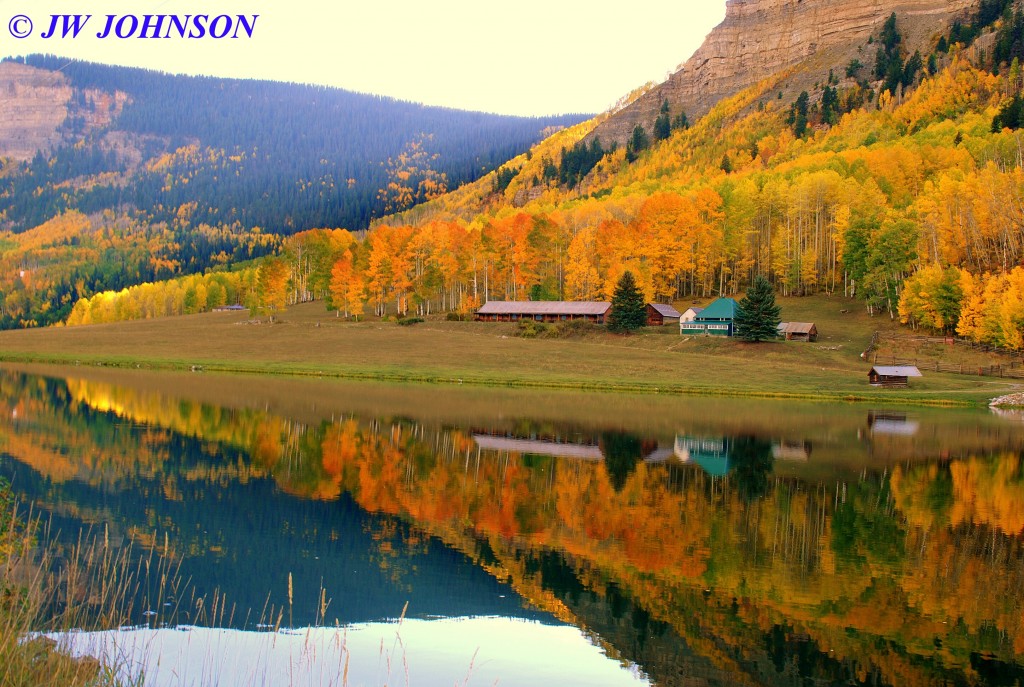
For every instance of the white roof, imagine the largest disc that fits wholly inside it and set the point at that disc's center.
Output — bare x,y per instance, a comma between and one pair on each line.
897,370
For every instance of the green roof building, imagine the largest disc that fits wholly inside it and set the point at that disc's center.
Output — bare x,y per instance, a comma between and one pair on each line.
715,320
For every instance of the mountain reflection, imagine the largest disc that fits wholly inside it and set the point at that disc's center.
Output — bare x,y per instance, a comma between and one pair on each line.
717,556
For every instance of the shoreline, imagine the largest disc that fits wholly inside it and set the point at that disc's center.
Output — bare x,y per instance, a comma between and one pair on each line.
881,396
308,342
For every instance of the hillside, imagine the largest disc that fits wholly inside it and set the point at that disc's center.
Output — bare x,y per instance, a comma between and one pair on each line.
895,183
134,176
759,38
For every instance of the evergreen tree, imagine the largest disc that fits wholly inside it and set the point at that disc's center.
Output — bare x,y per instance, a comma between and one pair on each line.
663,124
830,106
798,114
637,143
757,317
628,312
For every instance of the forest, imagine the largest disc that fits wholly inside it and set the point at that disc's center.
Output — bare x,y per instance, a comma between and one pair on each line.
908,201
188,157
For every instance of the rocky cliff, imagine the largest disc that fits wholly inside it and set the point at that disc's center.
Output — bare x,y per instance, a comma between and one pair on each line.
759,38
35,105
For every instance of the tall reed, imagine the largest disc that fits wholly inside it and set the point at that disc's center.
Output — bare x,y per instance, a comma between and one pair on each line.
89,583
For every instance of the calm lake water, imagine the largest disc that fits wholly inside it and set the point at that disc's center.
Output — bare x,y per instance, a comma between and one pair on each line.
445,536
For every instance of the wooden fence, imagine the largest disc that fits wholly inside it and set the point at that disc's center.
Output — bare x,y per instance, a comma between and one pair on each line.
1014,369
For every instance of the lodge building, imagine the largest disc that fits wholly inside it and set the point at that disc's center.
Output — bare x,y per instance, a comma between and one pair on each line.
543,311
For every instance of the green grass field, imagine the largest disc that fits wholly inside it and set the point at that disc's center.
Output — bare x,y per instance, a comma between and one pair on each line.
310,341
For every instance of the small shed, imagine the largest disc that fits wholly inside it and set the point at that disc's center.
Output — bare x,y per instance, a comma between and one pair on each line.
660,314
798,331
892,375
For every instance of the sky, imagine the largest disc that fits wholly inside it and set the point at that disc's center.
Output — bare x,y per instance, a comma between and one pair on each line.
528,57
430,653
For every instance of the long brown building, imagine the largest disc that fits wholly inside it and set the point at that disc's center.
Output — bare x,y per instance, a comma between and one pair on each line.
543,311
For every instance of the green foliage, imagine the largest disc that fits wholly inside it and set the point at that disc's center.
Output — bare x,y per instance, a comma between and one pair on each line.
285,157
578,161
663,124
751,462
408,321
531,329
726,164
853,68
798,115
864,534
503,178
890,36
757,316
1009,43
1010,115
680,121
933,298
830,106
889,59
638,142
629,311
622,452
550,170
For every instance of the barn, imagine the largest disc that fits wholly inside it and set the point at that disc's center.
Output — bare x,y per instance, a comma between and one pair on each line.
798,331
892,375
543,311
660,314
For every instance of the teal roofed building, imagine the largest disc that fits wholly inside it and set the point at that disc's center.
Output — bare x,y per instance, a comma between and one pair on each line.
711,454
718,319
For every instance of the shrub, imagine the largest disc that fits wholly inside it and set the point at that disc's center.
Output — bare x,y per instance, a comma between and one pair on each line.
573,328
530,329
407,321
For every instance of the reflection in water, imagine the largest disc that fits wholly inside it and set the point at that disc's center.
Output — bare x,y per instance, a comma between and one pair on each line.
700,555
437,653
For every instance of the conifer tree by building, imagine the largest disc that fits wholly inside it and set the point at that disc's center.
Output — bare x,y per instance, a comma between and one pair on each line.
628,312
757,317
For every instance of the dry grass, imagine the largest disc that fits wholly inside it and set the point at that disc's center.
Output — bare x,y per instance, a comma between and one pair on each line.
50,588
311,341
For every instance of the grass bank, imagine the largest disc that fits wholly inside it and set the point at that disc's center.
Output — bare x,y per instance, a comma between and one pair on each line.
310,341
47,588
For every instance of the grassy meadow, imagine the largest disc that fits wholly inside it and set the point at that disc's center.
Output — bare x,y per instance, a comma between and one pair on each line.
308,340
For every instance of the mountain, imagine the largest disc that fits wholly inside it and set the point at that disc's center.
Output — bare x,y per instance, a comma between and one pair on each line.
759,38
281,156
112,176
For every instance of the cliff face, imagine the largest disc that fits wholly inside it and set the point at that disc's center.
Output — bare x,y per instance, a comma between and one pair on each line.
759,38
35,105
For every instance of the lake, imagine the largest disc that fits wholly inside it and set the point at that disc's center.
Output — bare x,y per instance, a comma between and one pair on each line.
331,532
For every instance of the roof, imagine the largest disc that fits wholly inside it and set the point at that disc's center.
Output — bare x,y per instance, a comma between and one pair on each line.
720,309
544,448
665,310
896,370
695,310
544,308
797,327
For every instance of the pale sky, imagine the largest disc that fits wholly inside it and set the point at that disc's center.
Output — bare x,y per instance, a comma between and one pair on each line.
531,57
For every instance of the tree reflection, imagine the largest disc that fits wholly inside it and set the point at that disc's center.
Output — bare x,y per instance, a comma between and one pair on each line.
752,462
899,578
